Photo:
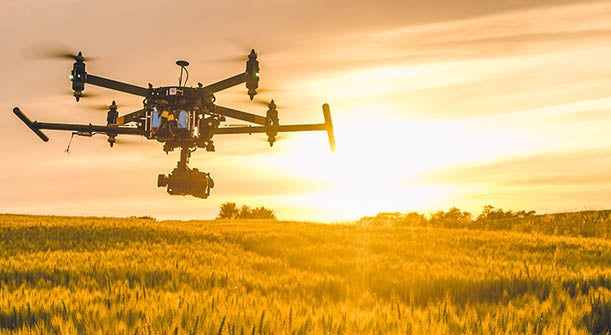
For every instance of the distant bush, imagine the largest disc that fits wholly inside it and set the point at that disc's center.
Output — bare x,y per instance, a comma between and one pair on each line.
490,213
146,217
230,210
453,218
395,218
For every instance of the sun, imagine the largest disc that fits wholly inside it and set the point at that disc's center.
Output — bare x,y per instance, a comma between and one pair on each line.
384,162
371,170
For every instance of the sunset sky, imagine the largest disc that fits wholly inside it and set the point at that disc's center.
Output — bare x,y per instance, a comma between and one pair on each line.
435,104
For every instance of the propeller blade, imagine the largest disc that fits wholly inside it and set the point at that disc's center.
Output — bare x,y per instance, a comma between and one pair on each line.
51,51
279,107
242,54
266,104
121,140
268,90
233,59
243,47
86,94
260,91
105,107
278,137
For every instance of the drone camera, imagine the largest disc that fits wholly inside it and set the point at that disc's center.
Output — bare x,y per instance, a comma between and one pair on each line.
186,181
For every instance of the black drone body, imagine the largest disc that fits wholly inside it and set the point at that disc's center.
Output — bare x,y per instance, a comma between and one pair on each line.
179,117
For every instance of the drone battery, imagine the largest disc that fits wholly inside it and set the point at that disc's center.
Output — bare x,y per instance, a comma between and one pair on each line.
155,119
182,119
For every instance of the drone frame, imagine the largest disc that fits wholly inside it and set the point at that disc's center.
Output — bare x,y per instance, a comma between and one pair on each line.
198,102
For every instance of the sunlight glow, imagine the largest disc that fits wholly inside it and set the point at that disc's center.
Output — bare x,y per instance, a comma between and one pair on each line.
379,160
382,80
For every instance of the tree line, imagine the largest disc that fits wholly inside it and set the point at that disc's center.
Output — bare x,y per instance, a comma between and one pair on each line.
230,210
453,218
584,223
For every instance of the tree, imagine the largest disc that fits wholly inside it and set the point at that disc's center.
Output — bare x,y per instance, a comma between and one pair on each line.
229,210
245,213
454,218
458,217
256,213
263,213
490,213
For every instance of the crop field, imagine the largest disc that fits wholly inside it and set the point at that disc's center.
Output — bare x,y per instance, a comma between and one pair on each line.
77,275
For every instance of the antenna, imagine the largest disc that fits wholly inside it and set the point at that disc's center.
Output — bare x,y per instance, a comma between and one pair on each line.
183,67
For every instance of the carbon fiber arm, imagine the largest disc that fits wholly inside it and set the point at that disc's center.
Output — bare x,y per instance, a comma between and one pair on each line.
236,114
116,85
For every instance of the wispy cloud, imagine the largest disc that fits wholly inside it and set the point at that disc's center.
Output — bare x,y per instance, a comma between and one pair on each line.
546,169
499,34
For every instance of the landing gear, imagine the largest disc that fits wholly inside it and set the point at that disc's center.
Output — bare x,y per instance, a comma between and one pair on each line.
186,181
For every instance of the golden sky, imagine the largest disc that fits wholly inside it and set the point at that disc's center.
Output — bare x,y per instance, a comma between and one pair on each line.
435,104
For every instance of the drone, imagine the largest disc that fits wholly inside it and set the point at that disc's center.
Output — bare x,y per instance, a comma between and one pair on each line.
180,117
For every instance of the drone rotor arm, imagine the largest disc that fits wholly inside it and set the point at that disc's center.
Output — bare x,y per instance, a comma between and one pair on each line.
225,84
236,114
88,128
116,85
131,117
327,126
259,129
32,125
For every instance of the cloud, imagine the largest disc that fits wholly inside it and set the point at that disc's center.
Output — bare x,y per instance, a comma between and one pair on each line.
498,33
546,182
504,62
580,168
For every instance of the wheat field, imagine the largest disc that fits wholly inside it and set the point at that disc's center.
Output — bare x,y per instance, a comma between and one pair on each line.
78,275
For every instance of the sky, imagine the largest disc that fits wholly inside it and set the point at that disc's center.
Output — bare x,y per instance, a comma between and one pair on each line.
436,104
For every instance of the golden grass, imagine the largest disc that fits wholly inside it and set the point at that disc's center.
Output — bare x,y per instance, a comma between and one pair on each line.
136,276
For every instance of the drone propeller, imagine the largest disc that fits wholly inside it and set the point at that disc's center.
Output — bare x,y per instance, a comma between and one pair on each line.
268,90
244,49
278,137
260,91
86,94
119,140
267,103
233,59
52,51
64,55
105,107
